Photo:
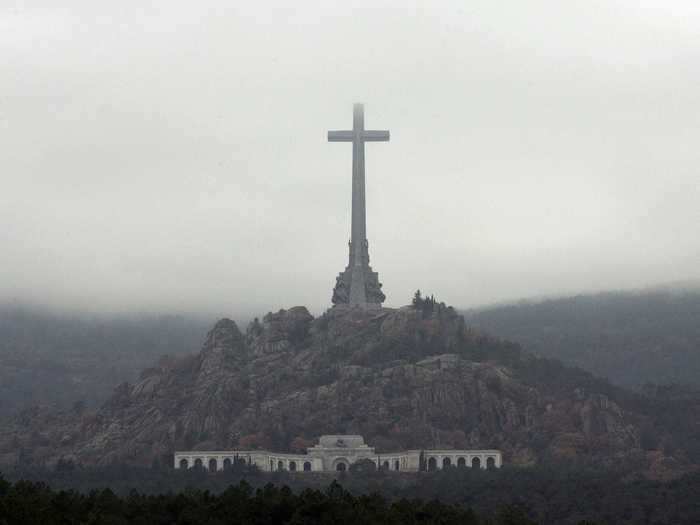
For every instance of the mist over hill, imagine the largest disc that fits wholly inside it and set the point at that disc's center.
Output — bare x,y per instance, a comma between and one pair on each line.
59,358
631,338
407,378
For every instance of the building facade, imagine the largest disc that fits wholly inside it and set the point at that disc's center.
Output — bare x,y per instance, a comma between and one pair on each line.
335,453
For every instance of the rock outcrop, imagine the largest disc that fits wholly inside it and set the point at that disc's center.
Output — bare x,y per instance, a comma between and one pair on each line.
402,378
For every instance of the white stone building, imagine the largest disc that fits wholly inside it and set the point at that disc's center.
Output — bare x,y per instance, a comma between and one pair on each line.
337,453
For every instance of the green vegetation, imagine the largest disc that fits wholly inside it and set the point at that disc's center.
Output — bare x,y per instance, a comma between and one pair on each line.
629,338
649,340
74,360
428,305
30,503
547,494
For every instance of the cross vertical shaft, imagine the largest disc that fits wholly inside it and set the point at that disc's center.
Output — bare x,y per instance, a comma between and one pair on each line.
359,211
358,284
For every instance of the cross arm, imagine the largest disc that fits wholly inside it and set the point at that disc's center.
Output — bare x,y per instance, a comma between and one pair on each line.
376,135
340,136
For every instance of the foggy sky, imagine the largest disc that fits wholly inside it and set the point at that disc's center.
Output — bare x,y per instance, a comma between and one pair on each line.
174,157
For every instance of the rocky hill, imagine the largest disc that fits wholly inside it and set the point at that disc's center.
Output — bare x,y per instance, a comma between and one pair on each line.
407,378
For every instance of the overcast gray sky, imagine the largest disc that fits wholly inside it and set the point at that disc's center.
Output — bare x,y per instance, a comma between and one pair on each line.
174,157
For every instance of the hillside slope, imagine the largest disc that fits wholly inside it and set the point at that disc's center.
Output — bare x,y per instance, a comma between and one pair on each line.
629,338
403,378
62,359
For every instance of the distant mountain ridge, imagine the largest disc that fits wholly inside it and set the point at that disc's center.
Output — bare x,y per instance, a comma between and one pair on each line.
63,359
631,338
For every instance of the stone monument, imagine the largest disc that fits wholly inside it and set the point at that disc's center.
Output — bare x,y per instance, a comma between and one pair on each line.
358,285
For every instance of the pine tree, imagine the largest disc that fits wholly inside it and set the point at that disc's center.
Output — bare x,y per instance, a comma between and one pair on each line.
417,299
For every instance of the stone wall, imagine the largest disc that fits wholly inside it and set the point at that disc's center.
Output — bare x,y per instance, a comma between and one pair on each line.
263,460
331,459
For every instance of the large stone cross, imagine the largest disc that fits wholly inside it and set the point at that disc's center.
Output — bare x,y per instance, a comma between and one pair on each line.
358,285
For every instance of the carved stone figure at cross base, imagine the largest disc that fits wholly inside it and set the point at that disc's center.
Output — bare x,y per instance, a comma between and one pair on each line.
358,285
341,293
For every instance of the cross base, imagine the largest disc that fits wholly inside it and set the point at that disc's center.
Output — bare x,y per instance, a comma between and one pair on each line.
358,286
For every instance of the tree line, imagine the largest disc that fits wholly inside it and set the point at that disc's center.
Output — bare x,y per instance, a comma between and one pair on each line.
26,502
548,494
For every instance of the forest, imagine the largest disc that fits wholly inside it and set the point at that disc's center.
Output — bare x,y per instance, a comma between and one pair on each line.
30,503
565,493
66,359
630,338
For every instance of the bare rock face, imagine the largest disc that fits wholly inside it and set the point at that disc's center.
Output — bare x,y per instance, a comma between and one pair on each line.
402,378
224,346
279,332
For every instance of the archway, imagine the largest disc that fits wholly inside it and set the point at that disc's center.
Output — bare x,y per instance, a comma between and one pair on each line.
490,462
307,466
212,465
292,466
396,465
476,463
432,464
184,464
280,465
385,465
461,462
446,463
198,463
341,464
227,463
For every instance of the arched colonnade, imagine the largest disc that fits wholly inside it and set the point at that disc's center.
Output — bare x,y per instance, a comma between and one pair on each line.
439,461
